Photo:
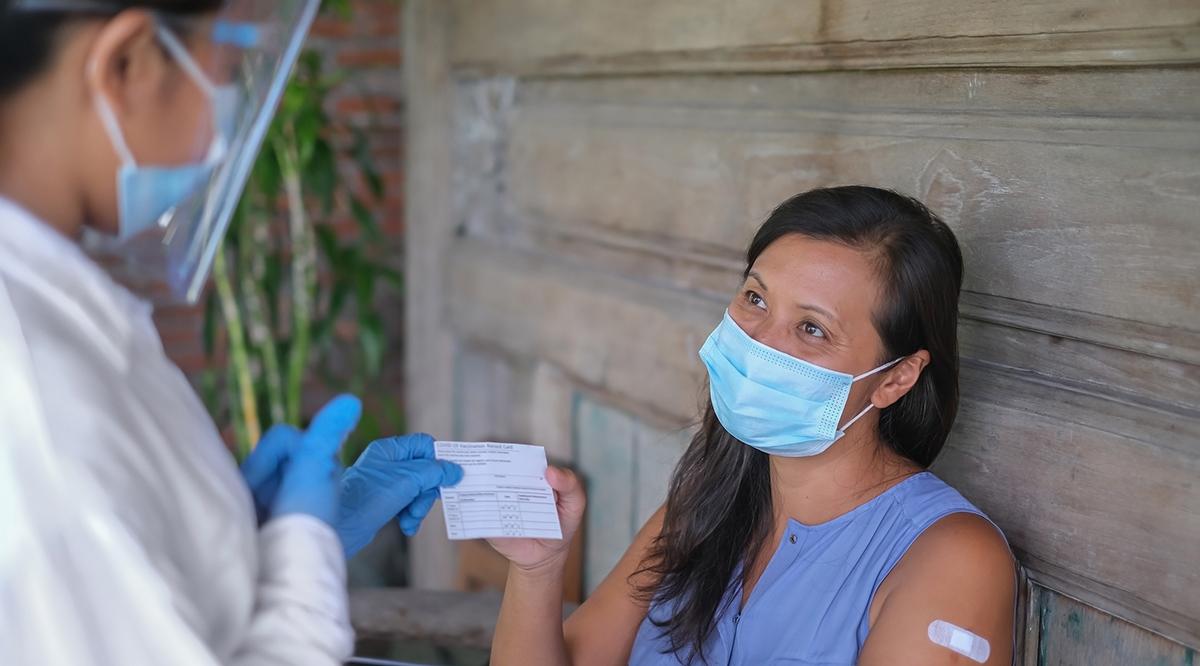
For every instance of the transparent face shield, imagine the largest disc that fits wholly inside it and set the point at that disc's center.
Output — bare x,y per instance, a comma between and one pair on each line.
240,58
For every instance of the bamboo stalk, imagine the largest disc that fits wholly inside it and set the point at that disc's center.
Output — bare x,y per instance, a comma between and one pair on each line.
240,437
255,236
303,272
249,429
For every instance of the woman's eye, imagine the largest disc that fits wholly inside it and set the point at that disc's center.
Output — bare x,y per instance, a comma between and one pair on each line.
754,299
813,330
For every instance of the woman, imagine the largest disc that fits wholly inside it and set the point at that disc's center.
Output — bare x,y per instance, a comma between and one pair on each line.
127,534
801,526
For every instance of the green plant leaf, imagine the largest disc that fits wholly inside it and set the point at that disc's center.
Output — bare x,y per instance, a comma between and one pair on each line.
210,390
338,8
295,99
273,285
266,177
327,242
321,175
306,132
364,287
361,151
372,340
365,219
211,321
390,275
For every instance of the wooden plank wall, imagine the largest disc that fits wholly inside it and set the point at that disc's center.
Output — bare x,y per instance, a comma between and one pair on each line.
584,178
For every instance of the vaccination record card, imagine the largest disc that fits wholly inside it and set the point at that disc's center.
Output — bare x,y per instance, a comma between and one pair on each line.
503,492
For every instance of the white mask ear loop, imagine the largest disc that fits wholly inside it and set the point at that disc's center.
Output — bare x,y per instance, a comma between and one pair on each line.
866,409
860,415
113,128
185,60
881,368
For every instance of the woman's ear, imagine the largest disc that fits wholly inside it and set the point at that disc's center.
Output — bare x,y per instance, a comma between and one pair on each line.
899,379
125,64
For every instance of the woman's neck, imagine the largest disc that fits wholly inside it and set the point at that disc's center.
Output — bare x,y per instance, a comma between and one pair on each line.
817,489
38,163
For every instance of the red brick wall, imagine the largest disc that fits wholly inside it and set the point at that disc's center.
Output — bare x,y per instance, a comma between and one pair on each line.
367,47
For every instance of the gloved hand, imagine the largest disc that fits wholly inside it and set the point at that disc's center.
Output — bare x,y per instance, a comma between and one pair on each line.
396,477
297,472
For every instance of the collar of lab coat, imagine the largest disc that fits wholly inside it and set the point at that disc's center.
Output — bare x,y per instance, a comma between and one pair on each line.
64,278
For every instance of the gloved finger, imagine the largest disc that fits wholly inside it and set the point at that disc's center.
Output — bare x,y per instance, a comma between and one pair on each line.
452,473
397,449
332,425
309,485
262,465
430,474
412,515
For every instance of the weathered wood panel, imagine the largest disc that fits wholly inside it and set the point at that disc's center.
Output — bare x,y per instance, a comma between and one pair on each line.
452,619
1116,515
1082,365
429,361
492,393
657,453
1022,206
613,334
628,465
1007,202
1075,634
448,619
633,35
604,447
1006,95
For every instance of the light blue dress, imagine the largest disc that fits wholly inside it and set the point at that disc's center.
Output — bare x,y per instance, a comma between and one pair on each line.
810,605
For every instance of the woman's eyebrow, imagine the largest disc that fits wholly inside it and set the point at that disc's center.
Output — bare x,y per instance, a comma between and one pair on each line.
803,306
818,309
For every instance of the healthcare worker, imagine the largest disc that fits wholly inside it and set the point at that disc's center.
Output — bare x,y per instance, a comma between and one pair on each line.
127,534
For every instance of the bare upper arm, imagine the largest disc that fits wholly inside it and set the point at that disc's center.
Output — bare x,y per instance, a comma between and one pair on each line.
602,630
960,571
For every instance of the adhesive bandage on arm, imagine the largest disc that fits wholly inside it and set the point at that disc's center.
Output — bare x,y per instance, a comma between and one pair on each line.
959,640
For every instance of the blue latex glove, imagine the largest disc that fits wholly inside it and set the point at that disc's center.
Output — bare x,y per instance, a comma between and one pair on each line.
396,477
297,472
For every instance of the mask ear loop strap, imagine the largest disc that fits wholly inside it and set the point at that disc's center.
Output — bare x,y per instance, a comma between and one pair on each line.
866,409
859,416
185,60
112,127
881,368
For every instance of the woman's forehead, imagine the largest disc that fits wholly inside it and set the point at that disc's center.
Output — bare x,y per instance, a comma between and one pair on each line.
833,275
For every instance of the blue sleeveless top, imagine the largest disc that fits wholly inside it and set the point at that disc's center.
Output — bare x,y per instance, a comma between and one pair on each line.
810,605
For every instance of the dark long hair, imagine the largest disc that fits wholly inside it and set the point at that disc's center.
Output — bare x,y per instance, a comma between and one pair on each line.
27,37
719,508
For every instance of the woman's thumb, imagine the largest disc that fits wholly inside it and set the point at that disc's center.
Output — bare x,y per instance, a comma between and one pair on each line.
567,486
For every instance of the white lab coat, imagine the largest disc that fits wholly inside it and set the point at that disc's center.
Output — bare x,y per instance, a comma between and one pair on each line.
127,535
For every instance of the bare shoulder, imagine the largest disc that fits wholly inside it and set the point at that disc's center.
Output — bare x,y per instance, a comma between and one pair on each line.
958,544
959,571
963,554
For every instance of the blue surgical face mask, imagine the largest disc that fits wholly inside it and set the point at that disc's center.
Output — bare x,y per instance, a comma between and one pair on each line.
146,193
776,403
